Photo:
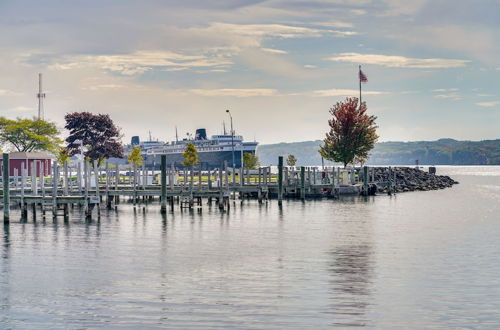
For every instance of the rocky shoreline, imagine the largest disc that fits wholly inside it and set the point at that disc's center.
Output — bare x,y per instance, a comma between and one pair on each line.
411,179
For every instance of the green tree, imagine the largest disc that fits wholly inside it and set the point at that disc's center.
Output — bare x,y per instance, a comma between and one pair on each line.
135,156
26,135
291,160
62,155
352,133
190,155
250,160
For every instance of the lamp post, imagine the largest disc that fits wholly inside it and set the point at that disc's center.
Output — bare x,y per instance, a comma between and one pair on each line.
232,137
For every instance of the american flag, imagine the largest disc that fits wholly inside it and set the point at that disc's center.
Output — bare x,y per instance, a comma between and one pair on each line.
362,76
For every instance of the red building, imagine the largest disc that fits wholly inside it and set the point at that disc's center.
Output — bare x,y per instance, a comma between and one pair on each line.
18,160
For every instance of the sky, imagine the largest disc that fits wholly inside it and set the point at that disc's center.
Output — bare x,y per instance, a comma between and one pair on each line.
278,65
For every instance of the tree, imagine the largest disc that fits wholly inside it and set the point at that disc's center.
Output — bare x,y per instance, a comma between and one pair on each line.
352,133
98,134
62,155
135,157
190,155
250,160
291,160
26,135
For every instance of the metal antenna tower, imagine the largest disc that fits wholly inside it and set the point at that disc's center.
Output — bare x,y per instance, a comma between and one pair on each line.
40,97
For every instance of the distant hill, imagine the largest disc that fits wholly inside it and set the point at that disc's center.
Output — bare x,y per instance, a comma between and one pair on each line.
440,152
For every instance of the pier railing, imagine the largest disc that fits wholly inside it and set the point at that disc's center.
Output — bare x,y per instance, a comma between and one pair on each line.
91,185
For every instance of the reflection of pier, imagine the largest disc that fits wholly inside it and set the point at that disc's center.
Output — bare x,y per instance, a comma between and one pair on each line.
90,185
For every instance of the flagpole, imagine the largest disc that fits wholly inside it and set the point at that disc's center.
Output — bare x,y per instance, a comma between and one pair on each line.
359,77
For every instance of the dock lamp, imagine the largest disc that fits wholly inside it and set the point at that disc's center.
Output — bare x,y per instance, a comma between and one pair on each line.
232,137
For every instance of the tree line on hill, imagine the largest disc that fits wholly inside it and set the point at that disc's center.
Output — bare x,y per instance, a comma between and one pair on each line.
440,152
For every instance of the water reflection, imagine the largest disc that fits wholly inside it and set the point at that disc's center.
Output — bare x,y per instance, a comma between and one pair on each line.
351,284
351,269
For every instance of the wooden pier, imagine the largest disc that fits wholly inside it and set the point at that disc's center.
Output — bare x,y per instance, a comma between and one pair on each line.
93,187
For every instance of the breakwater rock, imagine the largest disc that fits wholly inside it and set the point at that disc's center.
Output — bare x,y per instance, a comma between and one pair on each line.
411,179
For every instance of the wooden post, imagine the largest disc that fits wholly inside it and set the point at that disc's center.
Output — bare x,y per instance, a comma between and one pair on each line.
171,178
6,192
42,178
191,179
24,206
333,181
55,179
314,175
241,176
86,189
265,176
33,179
365,180
210,179
97,193
66,183
199,179
16,178
302,182
79,177
280,180
108,200
221,191
163,179
134,182
226,179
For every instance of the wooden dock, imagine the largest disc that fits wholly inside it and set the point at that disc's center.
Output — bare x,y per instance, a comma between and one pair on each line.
93,187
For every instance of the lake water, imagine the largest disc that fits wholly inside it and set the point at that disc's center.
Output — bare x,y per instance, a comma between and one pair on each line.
413,260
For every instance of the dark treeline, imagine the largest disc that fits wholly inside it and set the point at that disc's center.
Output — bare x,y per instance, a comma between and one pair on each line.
440,152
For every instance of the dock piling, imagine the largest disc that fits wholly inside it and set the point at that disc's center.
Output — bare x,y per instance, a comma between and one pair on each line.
302,183
163,180
6,192
280,180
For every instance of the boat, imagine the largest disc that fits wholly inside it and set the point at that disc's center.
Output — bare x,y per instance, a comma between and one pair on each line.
212,152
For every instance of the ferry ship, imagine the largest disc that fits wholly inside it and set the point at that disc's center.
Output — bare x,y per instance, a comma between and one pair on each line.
211,152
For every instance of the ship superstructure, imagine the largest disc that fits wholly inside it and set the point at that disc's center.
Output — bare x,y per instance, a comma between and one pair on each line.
211,152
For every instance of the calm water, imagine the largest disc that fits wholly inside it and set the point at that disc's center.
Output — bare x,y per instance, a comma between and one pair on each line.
414,260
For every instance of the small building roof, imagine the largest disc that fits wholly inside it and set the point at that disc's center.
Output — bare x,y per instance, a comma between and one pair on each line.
30,155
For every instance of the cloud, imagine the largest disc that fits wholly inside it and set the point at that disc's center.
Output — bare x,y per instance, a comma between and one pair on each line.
310,66
140,62
21,109
452,96
334,24
399,61
102,87
235,92
344,92
6,92
402,8
488,104
440,90
239,36
275,51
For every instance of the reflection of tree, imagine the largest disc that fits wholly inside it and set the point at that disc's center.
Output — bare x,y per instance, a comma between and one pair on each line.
351,284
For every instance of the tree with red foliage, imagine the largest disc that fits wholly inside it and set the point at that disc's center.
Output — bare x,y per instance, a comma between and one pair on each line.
352,133
99,135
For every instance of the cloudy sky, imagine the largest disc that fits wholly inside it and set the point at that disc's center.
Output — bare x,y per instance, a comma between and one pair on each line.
278,65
